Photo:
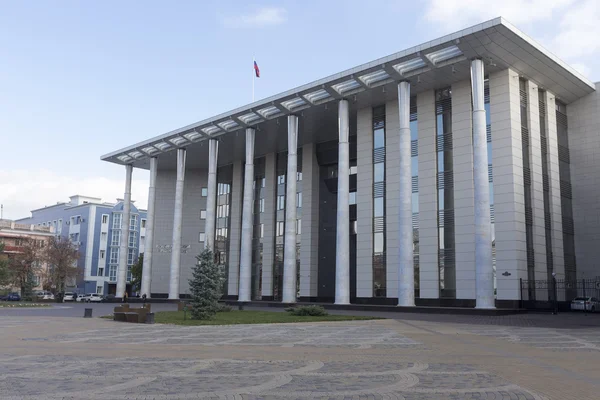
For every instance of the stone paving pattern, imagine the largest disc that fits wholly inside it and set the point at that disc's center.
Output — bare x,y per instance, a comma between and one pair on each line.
76,358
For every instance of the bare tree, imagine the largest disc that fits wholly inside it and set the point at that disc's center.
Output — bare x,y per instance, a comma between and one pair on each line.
25,265
61,255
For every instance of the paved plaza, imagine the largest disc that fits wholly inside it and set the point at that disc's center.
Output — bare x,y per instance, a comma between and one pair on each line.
56,357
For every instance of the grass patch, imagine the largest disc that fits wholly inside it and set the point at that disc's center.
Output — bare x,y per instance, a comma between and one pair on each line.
21,304
249,317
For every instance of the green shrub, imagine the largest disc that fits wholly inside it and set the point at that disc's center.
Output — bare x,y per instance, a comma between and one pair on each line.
303,311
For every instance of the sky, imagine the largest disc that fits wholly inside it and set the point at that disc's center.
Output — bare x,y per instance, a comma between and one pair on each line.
79,79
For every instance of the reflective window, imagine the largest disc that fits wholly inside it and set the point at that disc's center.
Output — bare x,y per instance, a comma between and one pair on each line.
378,172
378,207
204,192
378,244
378,138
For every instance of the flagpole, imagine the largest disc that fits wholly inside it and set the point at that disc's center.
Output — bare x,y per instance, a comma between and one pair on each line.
253,77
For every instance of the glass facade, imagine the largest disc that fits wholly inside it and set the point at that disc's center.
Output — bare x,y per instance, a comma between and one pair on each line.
379,247
527,184
280,193
445,191
414,150
223,219
566,201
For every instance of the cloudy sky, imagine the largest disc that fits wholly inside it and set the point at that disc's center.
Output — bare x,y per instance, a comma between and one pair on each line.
79,79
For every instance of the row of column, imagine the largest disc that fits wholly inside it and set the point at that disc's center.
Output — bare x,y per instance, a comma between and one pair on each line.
483,250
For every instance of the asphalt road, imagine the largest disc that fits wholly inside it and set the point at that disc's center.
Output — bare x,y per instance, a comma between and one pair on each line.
563,320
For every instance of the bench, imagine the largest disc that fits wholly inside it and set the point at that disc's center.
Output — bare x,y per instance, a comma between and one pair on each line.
125,313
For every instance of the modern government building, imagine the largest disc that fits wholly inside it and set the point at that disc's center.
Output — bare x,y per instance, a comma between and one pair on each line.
444,175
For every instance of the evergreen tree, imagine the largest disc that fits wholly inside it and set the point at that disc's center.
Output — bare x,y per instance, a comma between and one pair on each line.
206,286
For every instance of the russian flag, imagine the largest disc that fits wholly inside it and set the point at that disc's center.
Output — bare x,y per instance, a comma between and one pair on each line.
256,70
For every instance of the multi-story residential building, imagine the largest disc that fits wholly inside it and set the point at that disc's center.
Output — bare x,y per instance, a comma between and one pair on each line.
96,228
14,236
444,174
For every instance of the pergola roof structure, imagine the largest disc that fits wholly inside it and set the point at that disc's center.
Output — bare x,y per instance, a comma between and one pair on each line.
427,66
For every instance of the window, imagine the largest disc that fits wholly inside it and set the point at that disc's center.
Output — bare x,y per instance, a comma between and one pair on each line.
143,223
117,221
378,242
103,236
204,192
133,222
202,237
263,182
280,228
298,176
112,273
74,237
116,238
299,199
262,230
378,207
102,254
202,214
100,271
353,170
280,179
131,257
353,227
379,138
105,218
298,227
99,289
352,199
280,202
378,172
114,255
132,239
261,205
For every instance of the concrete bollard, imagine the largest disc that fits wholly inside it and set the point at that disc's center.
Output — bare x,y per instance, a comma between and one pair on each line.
150,318
87,313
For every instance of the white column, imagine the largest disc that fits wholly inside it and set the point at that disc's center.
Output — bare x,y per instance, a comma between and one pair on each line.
342,249
484,273
406,271
149,245
177,222
245,287
122,271
289,250
211,195
269,226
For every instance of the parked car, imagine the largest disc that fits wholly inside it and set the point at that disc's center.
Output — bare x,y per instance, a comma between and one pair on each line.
83,298
13,297
585,303
95,298
44,295
70,296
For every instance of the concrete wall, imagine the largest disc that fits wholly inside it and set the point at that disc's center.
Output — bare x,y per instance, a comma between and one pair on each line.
193,202
584,144
509,202
429,274
464,211
364,203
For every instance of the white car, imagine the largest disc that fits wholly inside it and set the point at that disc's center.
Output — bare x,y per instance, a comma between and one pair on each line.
83,298
70,296
590,304
42,295
95,298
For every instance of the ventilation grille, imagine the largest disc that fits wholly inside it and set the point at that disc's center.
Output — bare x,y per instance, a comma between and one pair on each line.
565,189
